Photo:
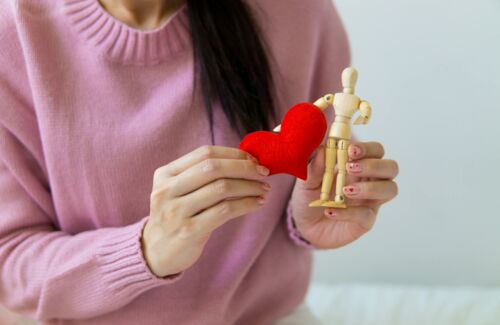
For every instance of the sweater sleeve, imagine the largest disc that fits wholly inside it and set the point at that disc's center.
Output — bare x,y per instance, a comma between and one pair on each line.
332,56
293,232
47,273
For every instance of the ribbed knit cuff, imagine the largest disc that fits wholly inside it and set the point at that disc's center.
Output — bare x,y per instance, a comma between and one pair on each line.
293,232
124,268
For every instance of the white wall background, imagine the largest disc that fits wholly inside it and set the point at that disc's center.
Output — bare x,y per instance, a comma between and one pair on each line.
431,70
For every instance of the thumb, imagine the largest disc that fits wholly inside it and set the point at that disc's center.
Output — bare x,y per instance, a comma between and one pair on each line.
315,170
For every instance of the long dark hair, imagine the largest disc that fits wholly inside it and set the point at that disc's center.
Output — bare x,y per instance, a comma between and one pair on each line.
231,63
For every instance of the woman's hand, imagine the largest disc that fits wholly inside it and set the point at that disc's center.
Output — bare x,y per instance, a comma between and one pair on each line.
369,184
194,195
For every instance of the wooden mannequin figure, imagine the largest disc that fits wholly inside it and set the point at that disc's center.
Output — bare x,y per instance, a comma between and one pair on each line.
345,105
322,103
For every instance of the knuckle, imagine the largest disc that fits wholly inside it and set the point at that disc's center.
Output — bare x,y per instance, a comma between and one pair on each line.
157,173
167,188
156,194
222,186
370,166
243,166
368,187
206,151
172,185
210,165
225,208
156,198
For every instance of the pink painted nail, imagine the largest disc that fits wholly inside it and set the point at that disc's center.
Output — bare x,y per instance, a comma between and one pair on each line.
351,190
355,151
331,213
354,167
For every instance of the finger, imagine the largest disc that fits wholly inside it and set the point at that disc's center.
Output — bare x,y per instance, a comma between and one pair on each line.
315,170
377,190
363,216
219,190
352,202
359,150
202,153
209,170
375,168
215,216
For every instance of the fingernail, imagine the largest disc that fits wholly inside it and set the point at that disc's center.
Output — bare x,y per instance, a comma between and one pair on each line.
354,151
331,213
261,200
266,186
252,158
351,190
354,167
262,170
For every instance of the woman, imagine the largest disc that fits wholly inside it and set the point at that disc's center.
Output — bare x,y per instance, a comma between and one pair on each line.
123,197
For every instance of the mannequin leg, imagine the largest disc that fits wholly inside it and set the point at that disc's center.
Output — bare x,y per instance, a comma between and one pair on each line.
341,177
330,160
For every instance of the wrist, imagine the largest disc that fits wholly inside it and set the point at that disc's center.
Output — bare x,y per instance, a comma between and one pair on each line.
297,231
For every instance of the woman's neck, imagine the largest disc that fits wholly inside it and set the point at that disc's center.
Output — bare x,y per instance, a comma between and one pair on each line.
141,14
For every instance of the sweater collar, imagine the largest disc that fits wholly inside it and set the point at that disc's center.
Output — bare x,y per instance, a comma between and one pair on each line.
122,43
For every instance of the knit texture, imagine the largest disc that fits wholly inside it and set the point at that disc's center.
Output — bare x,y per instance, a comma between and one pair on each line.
89,108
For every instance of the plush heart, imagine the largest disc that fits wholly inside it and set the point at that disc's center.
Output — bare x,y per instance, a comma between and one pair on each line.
302,131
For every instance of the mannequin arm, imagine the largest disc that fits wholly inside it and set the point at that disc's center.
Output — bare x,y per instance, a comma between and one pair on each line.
366,113
322,103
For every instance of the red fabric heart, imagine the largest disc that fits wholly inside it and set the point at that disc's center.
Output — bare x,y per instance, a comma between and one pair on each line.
302,131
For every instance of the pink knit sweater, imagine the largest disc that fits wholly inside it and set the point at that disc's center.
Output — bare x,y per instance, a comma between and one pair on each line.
89,108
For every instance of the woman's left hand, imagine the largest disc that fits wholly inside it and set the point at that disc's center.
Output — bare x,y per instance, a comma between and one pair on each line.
369,184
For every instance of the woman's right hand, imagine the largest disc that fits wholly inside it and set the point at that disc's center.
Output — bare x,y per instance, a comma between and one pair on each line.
194,195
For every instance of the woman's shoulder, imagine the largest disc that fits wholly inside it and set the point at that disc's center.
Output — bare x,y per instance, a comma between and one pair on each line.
15,18
287,6
295,10
308,42
302,21
13,10
19,7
